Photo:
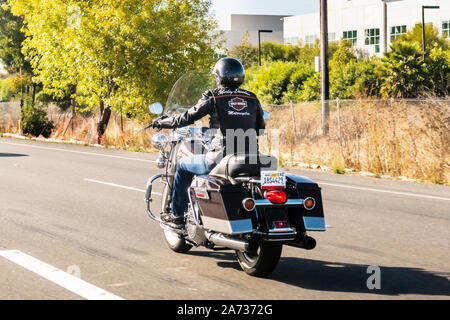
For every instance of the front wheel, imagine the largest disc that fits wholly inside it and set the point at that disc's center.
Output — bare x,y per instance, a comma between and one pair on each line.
176,242
263,262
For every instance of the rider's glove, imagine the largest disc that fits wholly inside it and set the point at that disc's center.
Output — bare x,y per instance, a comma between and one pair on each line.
156,124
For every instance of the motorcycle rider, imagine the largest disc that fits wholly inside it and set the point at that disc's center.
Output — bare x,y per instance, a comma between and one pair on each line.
231,109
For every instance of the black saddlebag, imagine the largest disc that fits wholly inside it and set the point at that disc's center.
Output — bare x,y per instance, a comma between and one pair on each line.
303,188
220,205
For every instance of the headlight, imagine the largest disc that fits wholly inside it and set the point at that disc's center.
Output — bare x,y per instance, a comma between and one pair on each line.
159,141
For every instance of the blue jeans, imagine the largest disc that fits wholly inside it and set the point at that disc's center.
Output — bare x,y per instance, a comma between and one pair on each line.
187,168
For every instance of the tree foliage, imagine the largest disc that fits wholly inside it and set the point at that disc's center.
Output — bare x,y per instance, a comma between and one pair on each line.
432,37
115,53
403,71
11,38
278,82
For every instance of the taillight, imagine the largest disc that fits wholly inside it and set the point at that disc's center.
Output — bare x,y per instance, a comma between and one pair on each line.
275,196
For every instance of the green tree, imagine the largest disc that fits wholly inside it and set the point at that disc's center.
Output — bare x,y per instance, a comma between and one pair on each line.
356,78
271,81
245,52
437,68
403,72
11,39
432,37
311,88
117,54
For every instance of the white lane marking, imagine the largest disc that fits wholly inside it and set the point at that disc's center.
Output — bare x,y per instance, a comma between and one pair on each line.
119,186
80,152
320,183
385,191
59,277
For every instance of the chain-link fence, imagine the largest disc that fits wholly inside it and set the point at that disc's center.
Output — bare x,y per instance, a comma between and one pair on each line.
407,137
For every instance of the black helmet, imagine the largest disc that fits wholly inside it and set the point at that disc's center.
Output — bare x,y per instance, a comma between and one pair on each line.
229,72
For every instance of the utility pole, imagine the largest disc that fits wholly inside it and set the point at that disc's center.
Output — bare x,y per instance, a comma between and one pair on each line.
385,41
325,80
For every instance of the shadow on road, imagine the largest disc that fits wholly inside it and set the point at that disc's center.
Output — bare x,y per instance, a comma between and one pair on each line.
11,155
346,277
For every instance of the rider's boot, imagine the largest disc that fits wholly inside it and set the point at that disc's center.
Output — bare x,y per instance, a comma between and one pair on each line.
173,221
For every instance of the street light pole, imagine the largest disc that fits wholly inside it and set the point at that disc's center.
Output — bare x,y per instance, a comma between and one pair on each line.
259,42
424,47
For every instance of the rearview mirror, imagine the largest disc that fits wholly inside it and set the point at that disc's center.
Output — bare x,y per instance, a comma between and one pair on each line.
265,115
156,108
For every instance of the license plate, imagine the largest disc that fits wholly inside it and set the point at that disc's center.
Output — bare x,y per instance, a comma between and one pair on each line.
273,179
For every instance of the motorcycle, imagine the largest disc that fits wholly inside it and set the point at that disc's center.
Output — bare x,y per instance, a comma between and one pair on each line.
253,209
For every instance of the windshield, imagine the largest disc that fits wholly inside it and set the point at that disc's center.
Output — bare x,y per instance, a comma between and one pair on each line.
188,90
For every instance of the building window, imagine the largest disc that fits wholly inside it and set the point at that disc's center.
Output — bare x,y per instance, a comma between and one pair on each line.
373,38
446,29
397,31
311,40
350,36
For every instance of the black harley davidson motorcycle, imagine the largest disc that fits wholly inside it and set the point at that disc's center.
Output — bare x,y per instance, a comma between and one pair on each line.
253,209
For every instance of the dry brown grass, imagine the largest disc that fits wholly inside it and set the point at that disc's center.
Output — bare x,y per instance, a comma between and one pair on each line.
396,138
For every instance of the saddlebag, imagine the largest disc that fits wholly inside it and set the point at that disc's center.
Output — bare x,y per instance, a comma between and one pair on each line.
313,220
219,205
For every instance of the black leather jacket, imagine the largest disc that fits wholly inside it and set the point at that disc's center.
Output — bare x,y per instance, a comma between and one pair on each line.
232,111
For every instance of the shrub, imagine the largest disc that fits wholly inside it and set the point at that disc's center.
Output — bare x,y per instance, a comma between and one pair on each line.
296,82
355,79
311,88
403,71
35,121
278,82
246,53
437,69
6,92
270,81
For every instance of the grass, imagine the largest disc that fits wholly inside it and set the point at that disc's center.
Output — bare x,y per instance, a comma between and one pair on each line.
396,139
401,138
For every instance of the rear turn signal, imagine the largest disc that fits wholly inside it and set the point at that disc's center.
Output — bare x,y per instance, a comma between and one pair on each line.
309,203
275,196
248,204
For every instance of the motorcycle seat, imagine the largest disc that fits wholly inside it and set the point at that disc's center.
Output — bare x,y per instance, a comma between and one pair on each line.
240,165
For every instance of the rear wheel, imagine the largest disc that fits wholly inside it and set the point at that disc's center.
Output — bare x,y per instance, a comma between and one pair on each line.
263,261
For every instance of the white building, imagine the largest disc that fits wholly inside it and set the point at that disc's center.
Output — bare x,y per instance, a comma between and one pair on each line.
361,21
242,23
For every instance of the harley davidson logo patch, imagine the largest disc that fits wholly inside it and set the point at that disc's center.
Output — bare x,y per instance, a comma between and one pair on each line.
237,104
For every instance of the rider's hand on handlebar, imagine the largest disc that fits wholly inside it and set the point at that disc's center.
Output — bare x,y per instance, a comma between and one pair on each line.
155,123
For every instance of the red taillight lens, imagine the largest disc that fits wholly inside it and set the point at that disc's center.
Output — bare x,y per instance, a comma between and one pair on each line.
276,196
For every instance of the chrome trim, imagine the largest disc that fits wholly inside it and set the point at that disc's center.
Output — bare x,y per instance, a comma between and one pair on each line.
289,203
254,204
314,223
227,226
160,141
309,209
222,240
148,195
282,230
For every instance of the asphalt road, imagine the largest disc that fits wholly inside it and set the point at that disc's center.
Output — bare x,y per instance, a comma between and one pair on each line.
77,210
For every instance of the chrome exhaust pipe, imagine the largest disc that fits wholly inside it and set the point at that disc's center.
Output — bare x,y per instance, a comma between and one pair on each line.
225,241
